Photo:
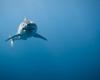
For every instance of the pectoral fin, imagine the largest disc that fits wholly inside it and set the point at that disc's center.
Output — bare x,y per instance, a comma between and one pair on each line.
13,37
39,36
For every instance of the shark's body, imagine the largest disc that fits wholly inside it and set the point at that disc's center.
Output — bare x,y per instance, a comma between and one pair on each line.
26,30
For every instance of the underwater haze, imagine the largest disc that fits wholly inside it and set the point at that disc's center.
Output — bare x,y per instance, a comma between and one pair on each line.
72,51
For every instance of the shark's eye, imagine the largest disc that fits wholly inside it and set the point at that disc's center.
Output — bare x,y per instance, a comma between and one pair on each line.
23,24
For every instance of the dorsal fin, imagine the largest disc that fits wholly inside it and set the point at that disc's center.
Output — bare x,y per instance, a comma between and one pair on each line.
26,20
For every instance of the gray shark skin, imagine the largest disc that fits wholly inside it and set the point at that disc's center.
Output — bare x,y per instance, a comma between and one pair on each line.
27,29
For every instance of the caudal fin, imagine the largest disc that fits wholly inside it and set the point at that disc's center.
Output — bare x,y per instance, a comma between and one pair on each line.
10,39
11,42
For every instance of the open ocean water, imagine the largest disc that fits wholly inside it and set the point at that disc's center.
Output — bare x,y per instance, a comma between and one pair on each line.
72,51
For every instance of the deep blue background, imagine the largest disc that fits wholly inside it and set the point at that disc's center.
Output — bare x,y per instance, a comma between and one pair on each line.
72,51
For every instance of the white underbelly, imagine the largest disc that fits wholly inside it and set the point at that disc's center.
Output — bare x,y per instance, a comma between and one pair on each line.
20,29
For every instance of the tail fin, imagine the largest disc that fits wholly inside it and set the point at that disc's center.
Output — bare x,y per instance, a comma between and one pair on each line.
11,42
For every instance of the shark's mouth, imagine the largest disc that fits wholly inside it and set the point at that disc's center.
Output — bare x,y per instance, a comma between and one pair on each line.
29,28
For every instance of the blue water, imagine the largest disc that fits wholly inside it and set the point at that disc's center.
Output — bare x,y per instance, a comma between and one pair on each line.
72,51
